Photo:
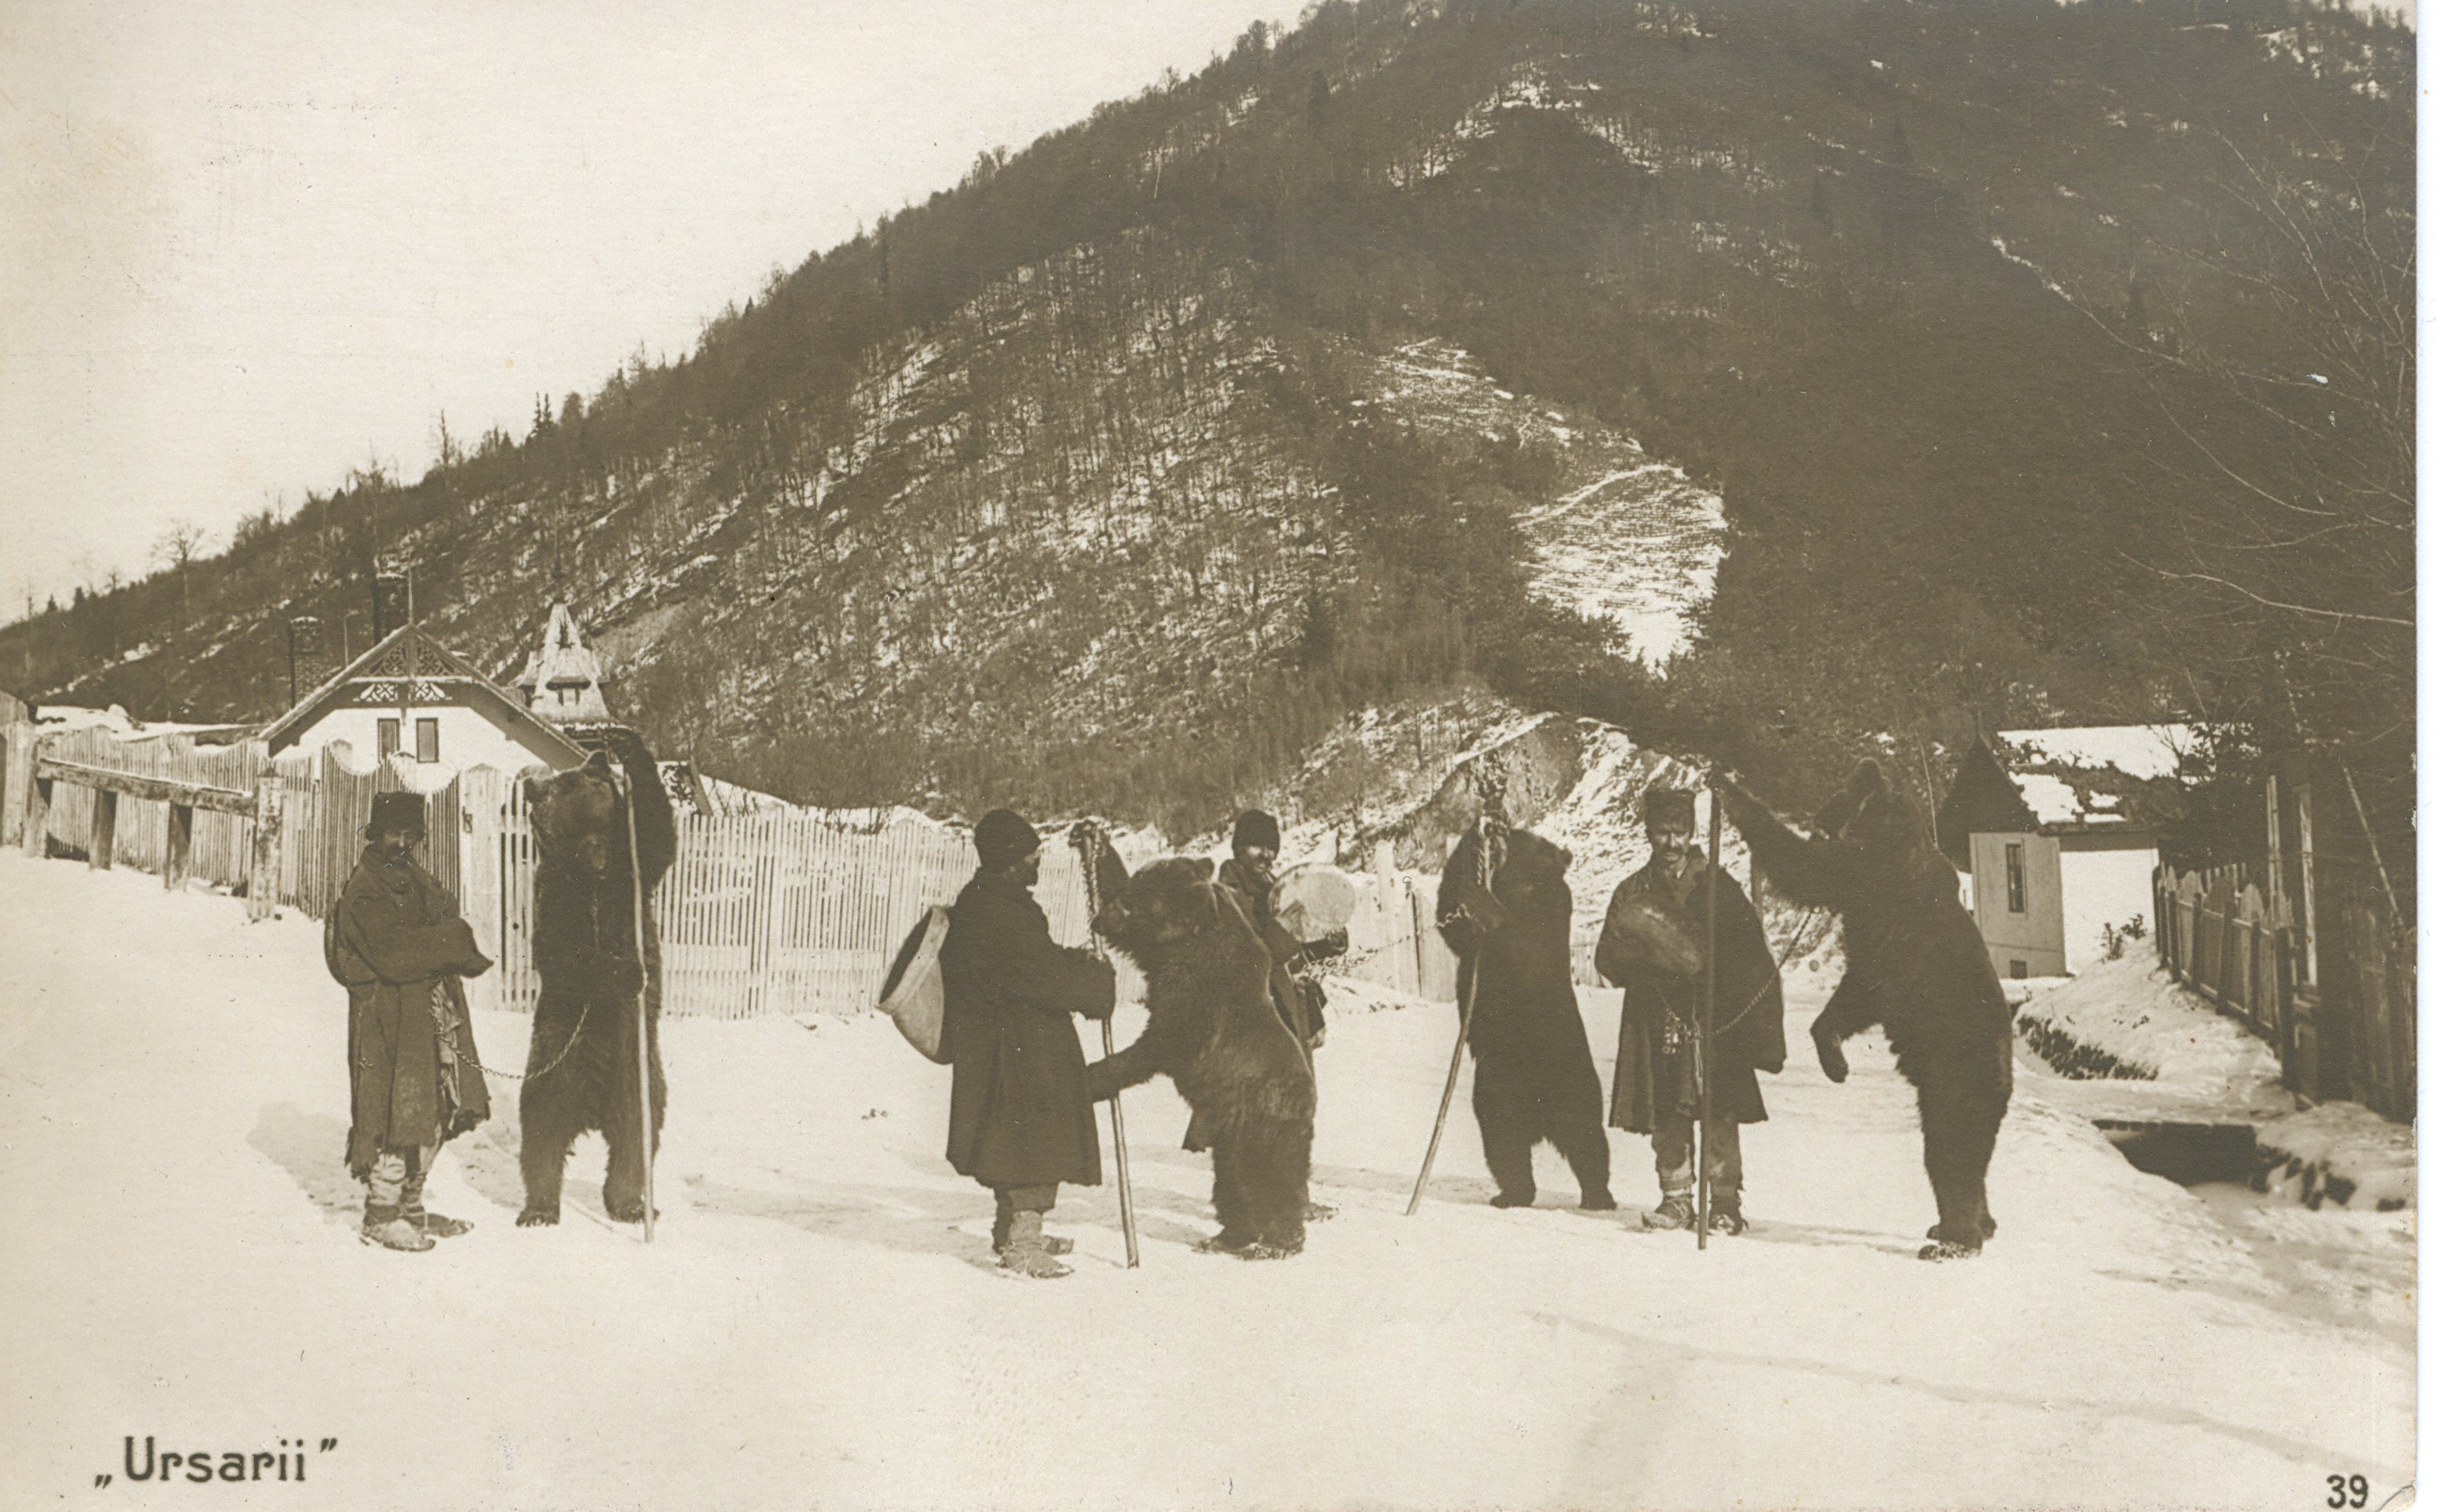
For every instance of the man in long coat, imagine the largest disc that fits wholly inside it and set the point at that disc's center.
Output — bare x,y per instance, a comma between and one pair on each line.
1019,1119
1651,945
1251,870
397,944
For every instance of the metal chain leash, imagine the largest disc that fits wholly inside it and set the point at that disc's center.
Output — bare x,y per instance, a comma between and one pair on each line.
564,1051
1676,1019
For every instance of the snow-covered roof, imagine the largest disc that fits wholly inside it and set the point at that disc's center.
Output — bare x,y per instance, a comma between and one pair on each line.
71,716
2145,751
2052,800
115,720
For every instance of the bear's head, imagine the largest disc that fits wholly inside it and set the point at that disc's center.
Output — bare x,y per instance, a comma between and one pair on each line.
1168,902
578,822
1533,862
1873,815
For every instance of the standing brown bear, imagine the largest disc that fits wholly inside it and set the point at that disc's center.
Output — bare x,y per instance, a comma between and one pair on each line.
1915,966
1532,1072
1215,1034
580,1071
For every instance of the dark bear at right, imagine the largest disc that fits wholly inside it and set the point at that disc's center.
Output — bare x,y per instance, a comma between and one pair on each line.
1915,966
1215,1033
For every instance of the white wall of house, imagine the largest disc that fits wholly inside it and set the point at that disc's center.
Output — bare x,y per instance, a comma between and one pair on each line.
467,739
2027,941
2103,888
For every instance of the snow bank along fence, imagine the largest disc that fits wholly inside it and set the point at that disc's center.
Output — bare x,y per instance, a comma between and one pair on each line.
783,912
2336,1000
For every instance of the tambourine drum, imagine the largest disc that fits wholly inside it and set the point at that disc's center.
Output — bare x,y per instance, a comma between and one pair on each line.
1313,900
1659,938
912,995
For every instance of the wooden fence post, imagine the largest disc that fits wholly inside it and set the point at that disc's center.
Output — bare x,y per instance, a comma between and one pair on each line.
38,817
101,842
2311,884
175,859
16,775
262,875
2163,938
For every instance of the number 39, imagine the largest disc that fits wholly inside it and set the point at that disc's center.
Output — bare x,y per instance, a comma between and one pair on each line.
2348,1490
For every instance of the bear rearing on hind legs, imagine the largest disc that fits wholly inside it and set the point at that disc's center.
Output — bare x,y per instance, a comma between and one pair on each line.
1215,1034
584,948
1917,966
1532,1072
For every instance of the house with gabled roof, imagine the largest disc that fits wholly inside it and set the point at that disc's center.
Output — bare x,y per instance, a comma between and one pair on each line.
412,698
2038,822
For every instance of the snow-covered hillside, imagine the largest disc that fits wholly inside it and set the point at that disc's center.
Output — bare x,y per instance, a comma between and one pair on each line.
1411,777
1619,536
818,1323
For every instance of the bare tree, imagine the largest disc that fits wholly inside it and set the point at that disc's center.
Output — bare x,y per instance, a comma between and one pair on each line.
176,549
2276,307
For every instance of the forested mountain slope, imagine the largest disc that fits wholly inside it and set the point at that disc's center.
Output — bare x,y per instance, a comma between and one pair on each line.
2022,361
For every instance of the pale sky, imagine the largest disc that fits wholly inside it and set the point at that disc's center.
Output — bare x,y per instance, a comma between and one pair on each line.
247,246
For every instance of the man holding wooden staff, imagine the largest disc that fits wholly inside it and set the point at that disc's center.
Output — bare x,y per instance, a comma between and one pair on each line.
1019,1119
1653,945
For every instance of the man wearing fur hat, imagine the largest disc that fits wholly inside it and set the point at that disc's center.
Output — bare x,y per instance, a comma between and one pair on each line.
397,944
1252,871
1019,1119
1651,945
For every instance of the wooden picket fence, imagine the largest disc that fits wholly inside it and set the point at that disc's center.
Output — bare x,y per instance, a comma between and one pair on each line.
793,913
2367,1000
2351,1033
2218,936
783,912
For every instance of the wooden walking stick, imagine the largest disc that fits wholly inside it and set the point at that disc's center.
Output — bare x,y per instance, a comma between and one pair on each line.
1118,1138
642,998
1490,831
1701,1044
1094,840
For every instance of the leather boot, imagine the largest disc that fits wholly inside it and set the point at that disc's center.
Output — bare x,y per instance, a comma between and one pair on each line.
395,1233
1049,1241
1026,1255
1675,1210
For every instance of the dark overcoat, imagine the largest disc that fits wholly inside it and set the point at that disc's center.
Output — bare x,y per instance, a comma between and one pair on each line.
1297,1008
1018,1115
397,942
1748,1026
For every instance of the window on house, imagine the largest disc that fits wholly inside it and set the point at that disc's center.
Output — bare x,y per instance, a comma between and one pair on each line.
2018,970
2015,877
388,738
566,693
427,740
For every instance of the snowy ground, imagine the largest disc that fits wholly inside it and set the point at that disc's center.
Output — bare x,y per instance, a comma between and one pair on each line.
816,1325
2136,1013
2206,1070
